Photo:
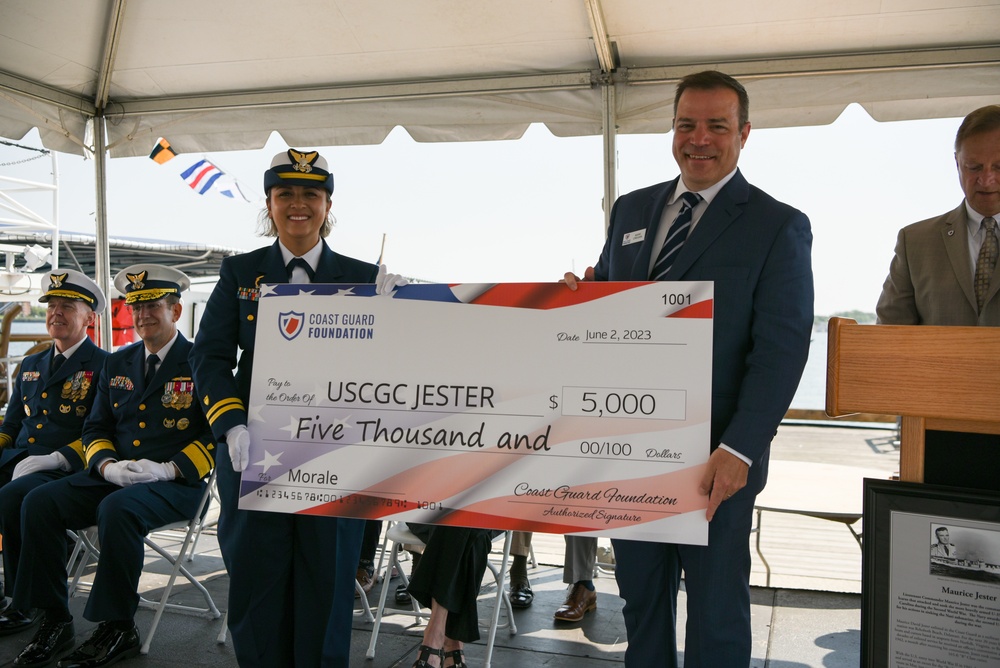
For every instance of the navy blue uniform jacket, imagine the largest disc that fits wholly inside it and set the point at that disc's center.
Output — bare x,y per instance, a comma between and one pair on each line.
231,316
46,413
291,577
162,422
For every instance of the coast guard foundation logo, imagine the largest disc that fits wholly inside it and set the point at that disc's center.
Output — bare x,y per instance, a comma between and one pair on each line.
290,324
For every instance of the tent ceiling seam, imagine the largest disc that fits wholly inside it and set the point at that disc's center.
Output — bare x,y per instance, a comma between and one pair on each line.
116,24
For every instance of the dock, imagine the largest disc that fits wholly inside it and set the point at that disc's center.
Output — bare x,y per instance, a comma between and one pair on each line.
809,616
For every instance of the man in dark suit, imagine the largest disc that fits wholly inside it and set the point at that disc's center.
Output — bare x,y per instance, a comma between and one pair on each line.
53,392
149,451
933,274
291,577
757,251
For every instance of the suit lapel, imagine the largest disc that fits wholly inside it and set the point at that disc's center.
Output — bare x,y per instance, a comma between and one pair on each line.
70,366
725,208
272,267
651,213
45,364
954,236
135,365
167,368
329,269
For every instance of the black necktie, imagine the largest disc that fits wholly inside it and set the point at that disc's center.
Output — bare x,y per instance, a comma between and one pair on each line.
299,262
675,237
57,362
151,363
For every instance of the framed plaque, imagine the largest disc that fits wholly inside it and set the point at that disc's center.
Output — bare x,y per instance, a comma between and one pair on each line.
931,581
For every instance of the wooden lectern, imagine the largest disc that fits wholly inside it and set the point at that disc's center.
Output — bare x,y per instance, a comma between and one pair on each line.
942,378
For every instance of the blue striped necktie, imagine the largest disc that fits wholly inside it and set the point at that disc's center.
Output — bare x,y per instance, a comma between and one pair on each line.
675,237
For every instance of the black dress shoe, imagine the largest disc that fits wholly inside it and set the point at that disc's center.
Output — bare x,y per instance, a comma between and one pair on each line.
15,621
108,645
521,595
51,640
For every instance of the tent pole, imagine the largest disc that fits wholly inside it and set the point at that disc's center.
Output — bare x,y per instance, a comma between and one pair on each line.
54,258
102,256
610,134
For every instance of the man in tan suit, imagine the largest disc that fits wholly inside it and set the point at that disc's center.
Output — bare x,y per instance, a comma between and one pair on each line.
932,276
945,272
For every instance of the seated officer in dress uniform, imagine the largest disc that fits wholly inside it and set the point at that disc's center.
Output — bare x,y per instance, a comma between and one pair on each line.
53,393
148,451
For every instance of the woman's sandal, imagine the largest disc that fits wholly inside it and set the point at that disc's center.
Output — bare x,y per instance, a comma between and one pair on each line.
456,655
427,652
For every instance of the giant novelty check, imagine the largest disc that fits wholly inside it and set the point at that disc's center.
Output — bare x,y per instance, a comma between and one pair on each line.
507,406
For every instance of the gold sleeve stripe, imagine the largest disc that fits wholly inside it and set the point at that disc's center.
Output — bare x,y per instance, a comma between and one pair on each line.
77,446
199,456
206,448
97,446
5,440
223,406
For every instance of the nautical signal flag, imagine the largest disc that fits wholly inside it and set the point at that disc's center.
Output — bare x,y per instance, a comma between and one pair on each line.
230,187
201,176
162,152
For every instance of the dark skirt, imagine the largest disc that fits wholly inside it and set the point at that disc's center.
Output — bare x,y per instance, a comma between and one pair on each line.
450,572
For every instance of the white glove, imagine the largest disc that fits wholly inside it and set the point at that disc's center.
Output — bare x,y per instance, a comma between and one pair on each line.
126,474
37,463
386,282
162,470
238,440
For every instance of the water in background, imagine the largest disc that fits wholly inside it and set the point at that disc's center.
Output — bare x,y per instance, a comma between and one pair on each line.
810,395
812,388
20,326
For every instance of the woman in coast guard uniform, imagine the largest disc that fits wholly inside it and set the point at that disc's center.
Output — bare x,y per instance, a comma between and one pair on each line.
148,450
40,434
291,591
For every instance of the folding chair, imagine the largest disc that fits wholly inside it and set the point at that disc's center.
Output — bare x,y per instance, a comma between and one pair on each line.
398,534
191,528
366,609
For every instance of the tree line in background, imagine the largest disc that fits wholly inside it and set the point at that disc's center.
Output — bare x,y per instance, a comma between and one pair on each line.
861,317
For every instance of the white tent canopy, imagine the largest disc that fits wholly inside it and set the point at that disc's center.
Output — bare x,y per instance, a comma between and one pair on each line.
223,75
110,76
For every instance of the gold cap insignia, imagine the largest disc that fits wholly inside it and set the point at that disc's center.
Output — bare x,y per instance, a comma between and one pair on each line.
137,280
57,279
303,161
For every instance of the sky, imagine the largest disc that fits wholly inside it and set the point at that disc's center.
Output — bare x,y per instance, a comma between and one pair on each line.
529,210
